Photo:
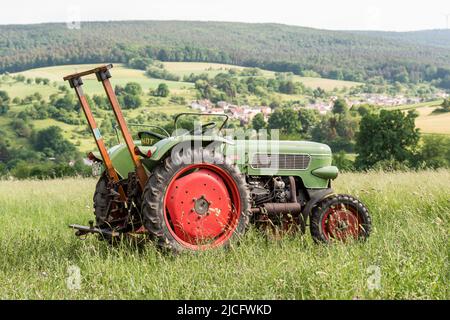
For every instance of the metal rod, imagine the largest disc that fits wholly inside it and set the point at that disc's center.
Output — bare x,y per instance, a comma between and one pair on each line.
87,72
293,189
140,171
98,138
82,230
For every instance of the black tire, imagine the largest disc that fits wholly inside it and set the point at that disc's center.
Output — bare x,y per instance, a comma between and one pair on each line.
319,213
101,200
153,210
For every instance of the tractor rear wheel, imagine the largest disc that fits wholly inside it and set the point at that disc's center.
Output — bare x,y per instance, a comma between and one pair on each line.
195,206
340,217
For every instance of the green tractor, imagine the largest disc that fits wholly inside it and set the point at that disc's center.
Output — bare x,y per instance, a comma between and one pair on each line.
196,190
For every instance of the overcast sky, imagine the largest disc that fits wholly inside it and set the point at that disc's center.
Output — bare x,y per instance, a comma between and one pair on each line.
396,15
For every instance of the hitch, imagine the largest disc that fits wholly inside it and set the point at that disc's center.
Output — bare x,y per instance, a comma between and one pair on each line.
84,230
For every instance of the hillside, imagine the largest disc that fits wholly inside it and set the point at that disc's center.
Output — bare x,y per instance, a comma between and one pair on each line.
428,122
76,132
334,54
435,38
151,110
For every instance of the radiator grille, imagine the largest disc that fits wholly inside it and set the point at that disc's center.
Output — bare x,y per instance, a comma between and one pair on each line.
281,161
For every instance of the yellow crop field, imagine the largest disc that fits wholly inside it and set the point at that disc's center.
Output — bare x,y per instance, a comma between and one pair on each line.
429,122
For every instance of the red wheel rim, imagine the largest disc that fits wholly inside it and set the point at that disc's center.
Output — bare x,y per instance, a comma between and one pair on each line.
341,222
202,206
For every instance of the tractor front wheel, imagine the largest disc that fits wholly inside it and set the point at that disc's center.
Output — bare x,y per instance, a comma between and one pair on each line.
195,206
340,217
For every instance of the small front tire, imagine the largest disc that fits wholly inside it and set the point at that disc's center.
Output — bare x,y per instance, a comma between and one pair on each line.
340,218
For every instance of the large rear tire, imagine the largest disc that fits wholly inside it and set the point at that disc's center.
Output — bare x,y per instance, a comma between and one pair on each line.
196,206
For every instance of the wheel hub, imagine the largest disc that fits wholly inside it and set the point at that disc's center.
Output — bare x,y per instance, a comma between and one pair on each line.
201,205
342,223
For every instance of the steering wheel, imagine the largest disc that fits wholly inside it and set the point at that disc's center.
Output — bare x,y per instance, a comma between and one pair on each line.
151,133
204,127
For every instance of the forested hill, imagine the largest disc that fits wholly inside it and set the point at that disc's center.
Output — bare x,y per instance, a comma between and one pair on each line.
436,38
335,54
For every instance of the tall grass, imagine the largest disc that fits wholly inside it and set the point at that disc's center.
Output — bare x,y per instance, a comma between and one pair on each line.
409,245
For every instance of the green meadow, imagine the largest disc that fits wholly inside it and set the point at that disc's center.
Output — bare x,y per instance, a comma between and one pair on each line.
406,256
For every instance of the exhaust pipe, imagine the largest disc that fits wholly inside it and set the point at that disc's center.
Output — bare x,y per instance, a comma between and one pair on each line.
279,208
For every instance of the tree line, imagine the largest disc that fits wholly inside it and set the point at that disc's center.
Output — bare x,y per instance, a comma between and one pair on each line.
302,51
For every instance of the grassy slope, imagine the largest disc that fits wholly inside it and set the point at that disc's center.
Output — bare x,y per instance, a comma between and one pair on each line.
21,90
123,75
427,121
409,243
405,107
212,69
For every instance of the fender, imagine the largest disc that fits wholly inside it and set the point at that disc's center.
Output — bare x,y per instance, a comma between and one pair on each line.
164,146
315,196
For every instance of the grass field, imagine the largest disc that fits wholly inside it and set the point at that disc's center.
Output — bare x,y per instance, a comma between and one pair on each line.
121,76
409,245
212,69
405,107
429,122
186,68
21,90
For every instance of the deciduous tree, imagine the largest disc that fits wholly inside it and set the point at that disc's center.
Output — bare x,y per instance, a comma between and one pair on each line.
258,122
389,135
162,90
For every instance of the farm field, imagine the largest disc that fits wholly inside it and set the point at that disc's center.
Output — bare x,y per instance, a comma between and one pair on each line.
212,69
409,245
121,76
186,68
429,122
433,103
21,90
326,84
